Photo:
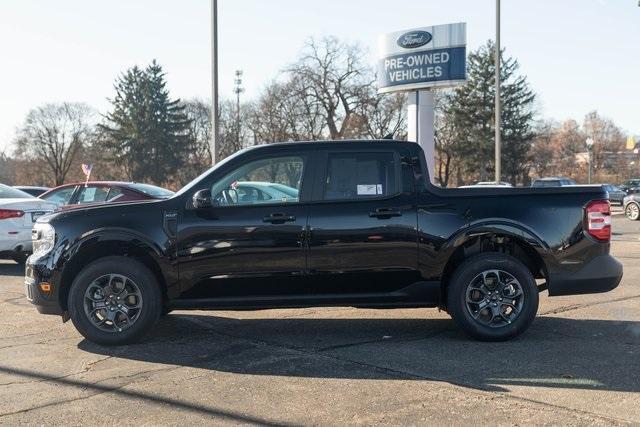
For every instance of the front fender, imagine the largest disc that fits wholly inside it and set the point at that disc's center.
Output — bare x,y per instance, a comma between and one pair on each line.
102,242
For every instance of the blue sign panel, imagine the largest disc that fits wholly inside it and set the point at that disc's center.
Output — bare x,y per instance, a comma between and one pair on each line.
422,58
429,66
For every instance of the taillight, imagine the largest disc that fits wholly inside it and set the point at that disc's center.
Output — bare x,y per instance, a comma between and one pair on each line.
10,213
598,219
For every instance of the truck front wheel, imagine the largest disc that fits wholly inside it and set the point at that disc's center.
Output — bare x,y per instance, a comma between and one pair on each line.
493,297
114,301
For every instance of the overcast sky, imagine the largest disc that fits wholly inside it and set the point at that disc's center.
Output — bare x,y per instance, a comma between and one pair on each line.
579,55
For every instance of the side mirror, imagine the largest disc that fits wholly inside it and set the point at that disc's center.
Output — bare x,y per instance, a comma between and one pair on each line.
202,199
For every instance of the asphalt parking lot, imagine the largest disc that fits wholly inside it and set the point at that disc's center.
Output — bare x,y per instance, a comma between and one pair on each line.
579,363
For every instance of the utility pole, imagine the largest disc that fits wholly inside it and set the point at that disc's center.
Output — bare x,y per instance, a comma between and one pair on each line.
497,106
214,79
238,89
589,143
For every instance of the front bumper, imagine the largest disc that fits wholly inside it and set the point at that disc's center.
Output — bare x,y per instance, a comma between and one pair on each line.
45,302
602,274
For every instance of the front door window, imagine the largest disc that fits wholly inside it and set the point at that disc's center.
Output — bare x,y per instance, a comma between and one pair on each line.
275,180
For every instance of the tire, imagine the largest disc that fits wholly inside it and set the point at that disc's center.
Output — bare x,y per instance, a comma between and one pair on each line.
472,316
632,211
135,277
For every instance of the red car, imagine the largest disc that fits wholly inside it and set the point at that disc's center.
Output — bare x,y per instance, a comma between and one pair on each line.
95,192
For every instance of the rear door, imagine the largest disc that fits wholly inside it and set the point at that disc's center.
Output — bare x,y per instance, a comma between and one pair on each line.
362,236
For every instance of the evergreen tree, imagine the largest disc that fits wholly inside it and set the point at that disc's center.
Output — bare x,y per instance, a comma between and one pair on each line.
471,110
146,132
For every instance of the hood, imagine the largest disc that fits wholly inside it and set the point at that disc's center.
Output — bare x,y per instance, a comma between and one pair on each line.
89,209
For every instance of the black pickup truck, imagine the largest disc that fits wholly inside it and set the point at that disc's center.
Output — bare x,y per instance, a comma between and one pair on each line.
353,223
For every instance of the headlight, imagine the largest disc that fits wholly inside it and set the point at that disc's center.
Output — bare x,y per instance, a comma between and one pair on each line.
43,237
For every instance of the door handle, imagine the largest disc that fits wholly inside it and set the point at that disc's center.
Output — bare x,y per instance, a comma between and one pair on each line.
385,213
278,218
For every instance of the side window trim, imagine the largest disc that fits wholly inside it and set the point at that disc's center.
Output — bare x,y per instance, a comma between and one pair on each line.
323,170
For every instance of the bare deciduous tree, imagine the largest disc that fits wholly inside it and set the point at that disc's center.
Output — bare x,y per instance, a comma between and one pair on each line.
55,133
332,78
383,115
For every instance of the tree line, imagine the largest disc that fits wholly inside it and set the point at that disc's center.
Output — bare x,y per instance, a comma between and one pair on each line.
327,92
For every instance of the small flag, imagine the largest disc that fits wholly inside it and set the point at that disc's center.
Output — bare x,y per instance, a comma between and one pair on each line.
86,169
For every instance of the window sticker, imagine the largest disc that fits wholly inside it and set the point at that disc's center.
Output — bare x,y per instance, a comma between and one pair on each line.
369,189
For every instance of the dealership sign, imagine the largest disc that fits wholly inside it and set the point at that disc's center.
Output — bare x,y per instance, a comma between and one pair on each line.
421,58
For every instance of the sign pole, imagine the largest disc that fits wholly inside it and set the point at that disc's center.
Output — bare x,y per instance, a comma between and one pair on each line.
417,61
214,79
497,107
420,118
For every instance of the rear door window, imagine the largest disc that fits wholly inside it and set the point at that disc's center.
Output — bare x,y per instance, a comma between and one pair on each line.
92,194
360,175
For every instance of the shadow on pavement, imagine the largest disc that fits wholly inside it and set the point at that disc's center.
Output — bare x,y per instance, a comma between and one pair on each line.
11,269
555,352
135,395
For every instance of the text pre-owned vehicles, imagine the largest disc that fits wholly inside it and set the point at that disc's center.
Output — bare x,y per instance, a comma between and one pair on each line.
97,192
554,181
18,212
631,206
367,229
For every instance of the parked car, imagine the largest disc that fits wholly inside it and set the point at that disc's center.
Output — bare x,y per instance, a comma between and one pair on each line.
367,229
631,206
552,182
616,195
487,184
18,212
32,189
631,186
97,192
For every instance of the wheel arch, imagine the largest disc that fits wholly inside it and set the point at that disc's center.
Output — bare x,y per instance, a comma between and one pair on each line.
500,237
106,243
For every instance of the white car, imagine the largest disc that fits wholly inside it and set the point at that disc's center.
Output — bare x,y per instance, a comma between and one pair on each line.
18,212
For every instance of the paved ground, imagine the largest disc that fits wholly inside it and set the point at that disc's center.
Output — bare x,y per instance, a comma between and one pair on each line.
579,363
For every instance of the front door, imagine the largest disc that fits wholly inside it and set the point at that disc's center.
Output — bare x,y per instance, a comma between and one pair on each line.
251,242
362,237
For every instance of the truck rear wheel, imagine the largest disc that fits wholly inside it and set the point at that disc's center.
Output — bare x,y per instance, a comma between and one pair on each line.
114,301
493,297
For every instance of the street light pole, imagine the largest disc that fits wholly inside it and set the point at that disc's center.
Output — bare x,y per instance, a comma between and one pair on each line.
497,100
238,90
589,143
214,79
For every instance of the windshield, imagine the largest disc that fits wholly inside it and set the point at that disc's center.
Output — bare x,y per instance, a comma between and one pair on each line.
152,190
7,192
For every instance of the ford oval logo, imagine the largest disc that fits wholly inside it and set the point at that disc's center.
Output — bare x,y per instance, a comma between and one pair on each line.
414,39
